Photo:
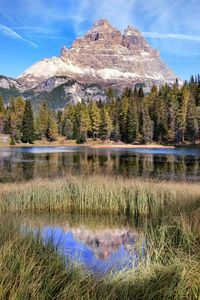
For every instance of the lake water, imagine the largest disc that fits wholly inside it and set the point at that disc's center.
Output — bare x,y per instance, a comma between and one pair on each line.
19,164
104,243
100,245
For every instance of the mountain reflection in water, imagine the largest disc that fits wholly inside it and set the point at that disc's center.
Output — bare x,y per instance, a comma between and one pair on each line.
98,252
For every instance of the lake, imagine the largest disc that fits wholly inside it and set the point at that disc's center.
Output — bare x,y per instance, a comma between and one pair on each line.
19,164
103,243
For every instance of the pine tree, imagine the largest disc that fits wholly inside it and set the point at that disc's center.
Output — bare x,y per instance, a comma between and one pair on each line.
115,134
132,124
7,123
59,121
84,126
147,126
43,120
2,109
123,115
171,96
68,121
17,107
94,119
110,94
28,135
141,93
158,114
105,128
192,128
2,115
1,123
183,100
52,128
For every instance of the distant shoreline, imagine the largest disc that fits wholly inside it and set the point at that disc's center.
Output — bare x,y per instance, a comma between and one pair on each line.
89,145
143,146
95,145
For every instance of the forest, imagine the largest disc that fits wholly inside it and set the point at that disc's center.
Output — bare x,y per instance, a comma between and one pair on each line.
169,114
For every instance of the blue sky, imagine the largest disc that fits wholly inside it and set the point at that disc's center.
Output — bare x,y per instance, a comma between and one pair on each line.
31,30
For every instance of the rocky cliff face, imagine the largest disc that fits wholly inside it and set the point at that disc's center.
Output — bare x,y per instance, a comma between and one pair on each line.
103,58
106,57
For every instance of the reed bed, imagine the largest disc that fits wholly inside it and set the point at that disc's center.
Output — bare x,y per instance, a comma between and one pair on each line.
171,269
30,270
100,195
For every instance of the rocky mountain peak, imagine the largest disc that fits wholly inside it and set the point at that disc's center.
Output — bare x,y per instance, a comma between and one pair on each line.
106,57
101,34
133,39
132,31
102,23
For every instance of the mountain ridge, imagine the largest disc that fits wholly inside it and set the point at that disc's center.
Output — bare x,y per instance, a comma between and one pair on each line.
103,57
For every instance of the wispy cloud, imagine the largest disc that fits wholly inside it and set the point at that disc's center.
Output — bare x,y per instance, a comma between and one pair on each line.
37,29
118,12
172,36
11,33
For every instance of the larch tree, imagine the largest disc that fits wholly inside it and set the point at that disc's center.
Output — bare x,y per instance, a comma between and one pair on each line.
43,120
52,127
94,113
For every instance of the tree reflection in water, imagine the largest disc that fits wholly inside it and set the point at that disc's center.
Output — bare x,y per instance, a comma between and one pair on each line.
18,164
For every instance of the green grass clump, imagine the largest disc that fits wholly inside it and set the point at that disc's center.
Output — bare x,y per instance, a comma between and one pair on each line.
99,195
171,269
30,270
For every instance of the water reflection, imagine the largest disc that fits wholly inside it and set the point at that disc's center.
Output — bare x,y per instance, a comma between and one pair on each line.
96,246
18,164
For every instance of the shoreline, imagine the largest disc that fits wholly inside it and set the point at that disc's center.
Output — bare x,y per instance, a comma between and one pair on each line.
129,146
95,146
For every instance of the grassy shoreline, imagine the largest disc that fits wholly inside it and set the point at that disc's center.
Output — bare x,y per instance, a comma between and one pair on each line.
31,270
87,145
171,270
98,194
62,142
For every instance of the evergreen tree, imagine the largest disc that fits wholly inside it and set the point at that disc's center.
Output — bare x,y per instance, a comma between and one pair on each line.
59,121
52,127
132,124
17,111
2,109
43,120
123,117
158,114
147,126
192,127
183,99
105,128
141,93
110,94
68,122
1,123
115,134
94,113
84,126
7,123
28,132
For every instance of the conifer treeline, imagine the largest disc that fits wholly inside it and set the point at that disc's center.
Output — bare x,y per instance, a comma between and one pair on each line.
168,114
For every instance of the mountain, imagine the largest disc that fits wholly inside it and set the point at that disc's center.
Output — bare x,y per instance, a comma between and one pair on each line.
57,91
103,58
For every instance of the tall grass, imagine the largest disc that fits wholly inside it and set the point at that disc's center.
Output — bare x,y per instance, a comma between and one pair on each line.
30,270
99,195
